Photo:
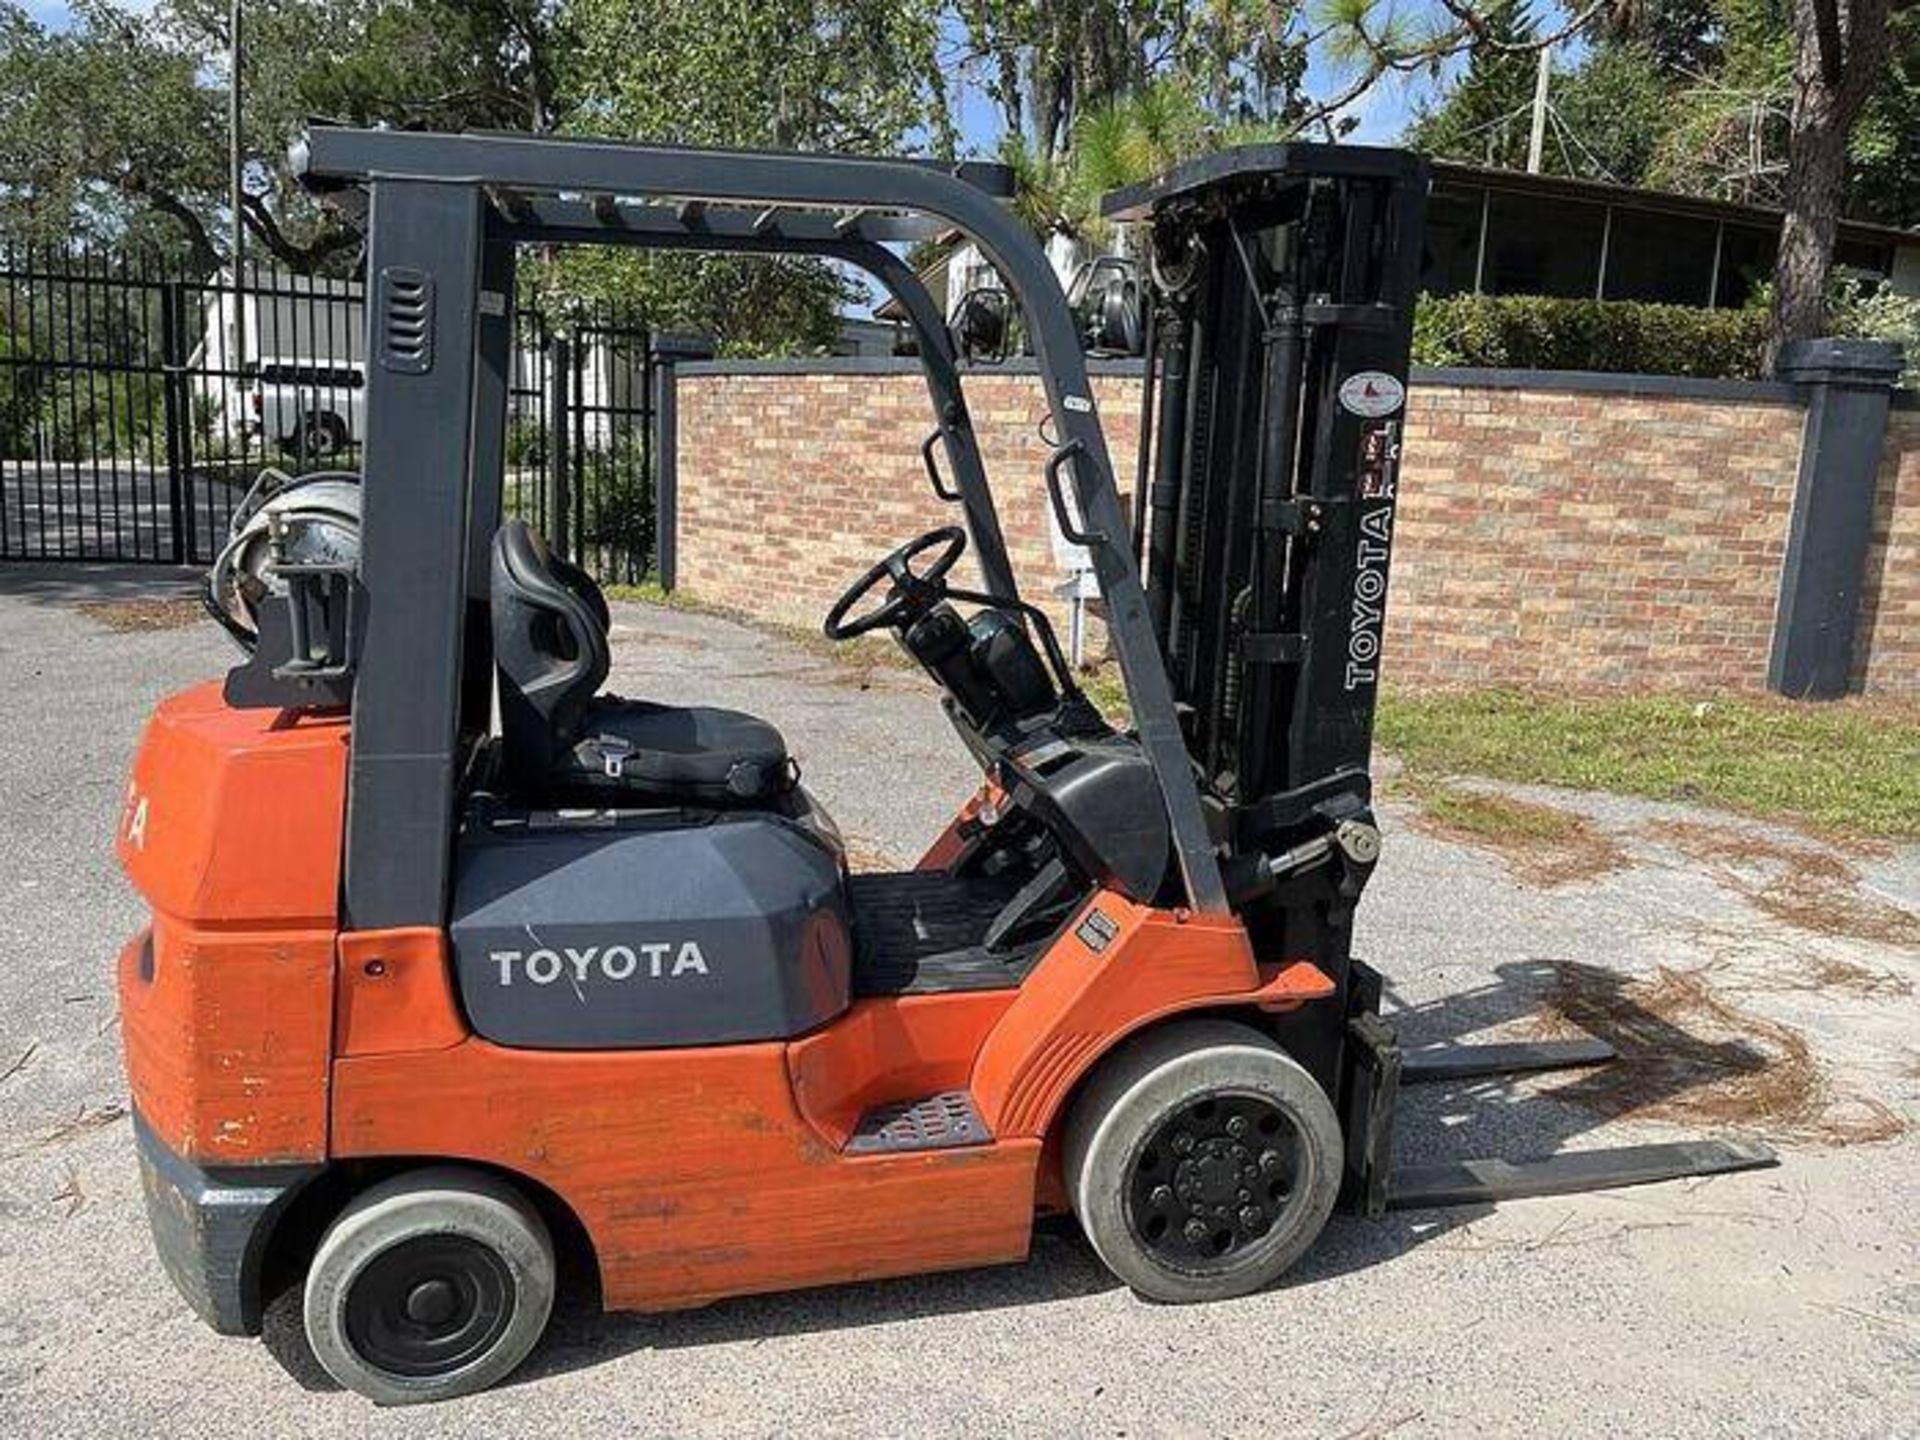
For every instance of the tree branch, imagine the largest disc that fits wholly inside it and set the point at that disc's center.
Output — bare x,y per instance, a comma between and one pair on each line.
1478,35
205,258
295,256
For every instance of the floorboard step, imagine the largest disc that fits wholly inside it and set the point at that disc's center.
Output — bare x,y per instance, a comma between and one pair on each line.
932,1122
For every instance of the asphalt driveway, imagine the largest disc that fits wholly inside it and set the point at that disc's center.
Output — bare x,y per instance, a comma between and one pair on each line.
1778,1302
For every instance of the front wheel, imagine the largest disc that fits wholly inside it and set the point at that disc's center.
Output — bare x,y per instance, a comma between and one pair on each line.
1202,1161
433,1284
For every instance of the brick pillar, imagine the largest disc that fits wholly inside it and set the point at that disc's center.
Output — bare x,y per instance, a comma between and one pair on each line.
665,355
1849,388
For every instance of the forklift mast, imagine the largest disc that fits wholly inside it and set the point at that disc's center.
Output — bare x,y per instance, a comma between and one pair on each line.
1284,279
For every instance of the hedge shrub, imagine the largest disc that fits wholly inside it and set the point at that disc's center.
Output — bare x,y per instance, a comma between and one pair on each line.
1531,332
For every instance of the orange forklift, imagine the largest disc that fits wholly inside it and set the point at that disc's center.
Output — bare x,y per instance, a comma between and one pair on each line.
464,975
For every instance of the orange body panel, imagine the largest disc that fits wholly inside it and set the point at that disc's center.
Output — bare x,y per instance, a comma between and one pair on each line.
234,817
231,831
890,1049
394,991
708,1172
1080,1000
693,1170
226,1040
255,1033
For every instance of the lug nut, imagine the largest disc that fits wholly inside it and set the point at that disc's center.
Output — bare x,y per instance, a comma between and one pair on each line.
1250,1216
1161,1195
1237,1126
1196,1231
1270,1161
1183,1144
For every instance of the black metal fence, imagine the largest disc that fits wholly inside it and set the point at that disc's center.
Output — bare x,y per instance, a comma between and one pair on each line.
137,407
580,429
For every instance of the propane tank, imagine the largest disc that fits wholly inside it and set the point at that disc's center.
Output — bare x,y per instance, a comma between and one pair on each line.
283,519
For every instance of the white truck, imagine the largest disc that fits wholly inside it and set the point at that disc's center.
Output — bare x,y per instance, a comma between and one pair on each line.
312,409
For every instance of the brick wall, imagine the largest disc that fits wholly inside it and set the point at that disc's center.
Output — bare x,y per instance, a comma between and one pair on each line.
1886,656
1546,538
1589,541
812,477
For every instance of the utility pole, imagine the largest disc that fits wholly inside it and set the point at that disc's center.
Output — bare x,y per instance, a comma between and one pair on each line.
235,158
1537,141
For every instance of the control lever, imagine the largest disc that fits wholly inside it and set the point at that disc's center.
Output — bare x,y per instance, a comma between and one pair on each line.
1358,841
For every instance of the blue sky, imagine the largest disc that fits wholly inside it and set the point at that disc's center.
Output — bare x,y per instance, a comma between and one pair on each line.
1383,111
56,16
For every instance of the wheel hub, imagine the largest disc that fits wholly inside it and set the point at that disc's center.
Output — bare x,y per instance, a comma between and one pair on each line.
429,1306
1212,1175
433,1302
1213,1179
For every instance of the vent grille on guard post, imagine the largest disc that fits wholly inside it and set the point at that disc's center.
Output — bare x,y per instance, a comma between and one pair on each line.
406,320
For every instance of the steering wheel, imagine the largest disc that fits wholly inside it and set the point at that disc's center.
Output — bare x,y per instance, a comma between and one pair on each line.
914,592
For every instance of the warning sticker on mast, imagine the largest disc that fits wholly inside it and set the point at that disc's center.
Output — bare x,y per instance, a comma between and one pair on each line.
1372,393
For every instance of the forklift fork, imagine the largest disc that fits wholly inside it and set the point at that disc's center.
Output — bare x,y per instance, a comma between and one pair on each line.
1378,1068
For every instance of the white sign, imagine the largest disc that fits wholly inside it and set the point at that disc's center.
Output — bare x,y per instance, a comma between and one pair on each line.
1372,393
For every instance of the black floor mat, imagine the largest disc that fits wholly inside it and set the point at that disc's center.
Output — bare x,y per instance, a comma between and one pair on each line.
917,931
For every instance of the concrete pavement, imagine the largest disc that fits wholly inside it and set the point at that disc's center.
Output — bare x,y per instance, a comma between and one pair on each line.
1785,1302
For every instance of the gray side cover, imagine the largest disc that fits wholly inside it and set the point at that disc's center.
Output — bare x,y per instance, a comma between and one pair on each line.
650,930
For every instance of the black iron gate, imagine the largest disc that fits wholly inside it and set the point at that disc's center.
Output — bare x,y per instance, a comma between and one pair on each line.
137,407
85,411
580,431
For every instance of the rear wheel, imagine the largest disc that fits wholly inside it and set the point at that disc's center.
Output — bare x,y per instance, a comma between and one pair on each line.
433,1284
1202,1161
320,438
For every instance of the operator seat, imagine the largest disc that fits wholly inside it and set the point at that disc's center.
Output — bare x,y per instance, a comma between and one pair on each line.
565,743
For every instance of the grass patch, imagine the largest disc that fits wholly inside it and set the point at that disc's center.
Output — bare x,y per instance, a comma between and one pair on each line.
1541,844
650,592
1849,767
1108,692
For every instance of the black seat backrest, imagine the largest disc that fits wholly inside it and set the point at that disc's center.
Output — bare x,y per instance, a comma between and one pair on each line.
581,584
550,641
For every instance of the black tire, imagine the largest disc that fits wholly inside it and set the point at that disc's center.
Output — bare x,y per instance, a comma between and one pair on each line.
1202,1161
433,1284
320,437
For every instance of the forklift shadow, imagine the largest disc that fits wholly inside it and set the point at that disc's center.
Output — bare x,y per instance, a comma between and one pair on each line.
69,583
1661,1069
283,1334
1060,1267
1435,1124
